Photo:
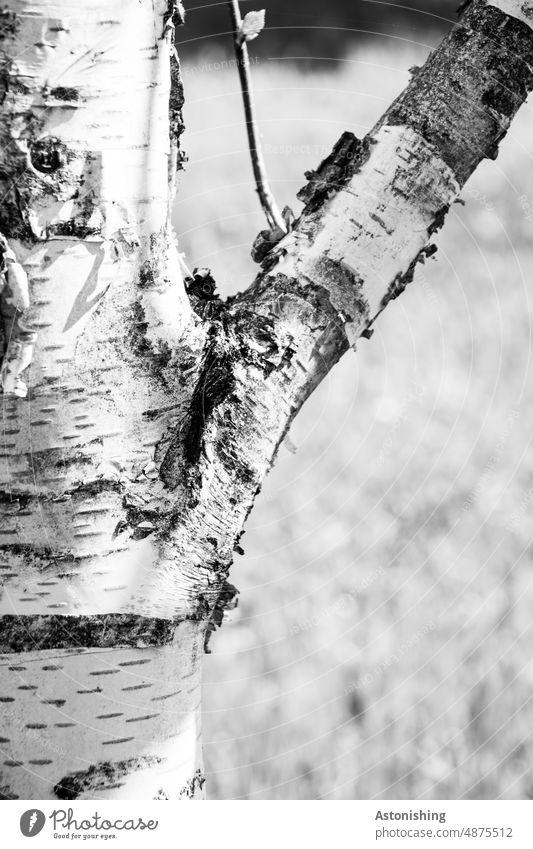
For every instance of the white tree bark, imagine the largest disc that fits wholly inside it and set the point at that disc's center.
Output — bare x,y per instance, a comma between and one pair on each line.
86,153
139,422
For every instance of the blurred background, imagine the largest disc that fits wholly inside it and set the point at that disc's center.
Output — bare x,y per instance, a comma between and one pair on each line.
383,643
315,28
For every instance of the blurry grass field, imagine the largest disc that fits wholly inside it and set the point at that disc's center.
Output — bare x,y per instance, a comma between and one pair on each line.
383,643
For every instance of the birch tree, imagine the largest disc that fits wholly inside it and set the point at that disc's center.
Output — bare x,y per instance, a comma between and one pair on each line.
140,413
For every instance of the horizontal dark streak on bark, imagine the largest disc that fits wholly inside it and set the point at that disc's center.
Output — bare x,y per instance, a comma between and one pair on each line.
113,630
101,775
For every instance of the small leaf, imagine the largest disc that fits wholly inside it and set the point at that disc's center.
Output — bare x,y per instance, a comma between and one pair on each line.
252,25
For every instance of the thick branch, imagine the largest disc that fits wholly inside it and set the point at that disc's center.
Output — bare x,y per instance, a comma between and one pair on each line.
371,210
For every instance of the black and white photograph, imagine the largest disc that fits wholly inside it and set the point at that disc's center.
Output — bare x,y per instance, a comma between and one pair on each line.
266,382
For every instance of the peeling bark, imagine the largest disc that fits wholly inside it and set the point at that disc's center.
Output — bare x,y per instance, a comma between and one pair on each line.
154,410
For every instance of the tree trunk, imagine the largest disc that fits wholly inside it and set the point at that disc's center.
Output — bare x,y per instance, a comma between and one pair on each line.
140,420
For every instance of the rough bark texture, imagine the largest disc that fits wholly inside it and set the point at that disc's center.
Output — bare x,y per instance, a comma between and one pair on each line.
153,414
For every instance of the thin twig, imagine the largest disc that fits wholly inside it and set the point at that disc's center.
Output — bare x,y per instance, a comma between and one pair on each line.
266,197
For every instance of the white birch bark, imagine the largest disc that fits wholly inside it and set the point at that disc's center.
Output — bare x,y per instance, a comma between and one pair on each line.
138,422
89,84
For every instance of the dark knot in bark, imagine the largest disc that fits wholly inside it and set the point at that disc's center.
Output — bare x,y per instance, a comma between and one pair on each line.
48,155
